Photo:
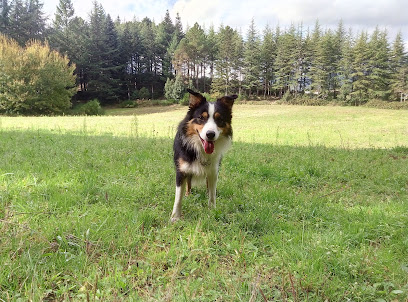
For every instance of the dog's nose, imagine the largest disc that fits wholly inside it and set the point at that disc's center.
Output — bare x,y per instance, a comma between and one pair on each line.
210,134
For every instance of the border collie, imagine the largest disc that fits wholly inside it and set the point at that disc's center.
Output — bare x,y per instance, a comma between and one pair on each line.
202,138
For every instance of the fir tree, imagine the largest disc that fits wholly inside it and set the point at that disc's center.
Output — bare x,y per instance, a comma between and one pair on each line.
26,21
104,64
4,16
267,60
361,83
285,60
379,73
226,75
251,60
62,35
345,69
399,68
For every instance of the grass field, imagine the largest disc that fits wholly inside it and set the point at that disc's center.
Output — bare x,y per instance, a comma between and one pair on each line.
312,206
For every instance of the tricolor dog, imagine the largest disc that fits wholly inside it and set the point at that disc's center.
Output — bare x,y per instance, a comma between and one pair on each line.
202,138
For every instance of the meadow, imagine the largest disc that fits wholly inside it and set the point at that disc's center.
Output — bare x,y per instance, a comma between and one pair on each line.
312,206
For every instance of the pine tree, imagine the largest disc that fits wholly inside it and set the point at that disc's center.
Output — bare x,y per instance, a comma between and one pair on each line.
285,60
325,64
361,83
399,67
314,63
267,60
345,68
62,35
164,36
337,52
26,21
104,64
4,16
379,73
300,62
178,28
306,57
227,71
251,67
211,51
195,49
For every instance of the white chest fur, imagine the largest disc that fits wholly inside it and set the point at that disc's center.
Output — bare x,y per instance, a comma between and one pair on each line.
206,164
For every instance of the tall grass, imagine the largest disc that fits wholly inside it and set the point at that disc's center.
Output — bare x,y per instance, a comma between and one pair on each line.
345,127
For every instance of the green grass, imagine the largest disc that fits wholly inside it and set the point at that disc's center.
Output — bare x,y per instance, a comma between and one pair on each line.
312,206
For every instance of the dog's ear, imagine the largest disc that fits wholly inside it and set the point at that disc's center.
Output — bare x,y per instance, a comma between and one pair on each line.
228,100
195,99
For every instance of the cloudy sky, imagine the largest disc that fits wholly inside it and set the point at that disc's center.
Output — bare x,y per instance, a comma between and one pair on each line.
358,14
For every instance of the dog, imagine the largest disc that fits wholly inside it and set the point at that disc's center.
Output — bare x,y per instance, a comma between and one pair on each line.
202,138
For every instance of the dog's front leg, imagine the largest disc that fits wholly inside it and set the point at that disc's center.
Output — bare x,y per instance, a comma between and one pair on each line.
180,190
212,188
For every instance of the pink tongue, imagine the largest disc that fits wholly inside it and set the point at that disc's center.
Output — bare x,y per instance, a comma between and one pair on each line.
208,147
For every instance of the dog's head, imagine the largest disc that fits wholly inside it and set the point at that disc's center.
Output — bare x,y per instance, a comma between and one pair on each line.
208,120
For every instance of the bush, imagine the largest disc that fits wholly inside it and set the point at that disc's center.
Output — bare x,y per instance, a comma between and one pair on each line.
128,104
173,89
144,93
185,99
91,108
302,99
35,79
386,105
287,97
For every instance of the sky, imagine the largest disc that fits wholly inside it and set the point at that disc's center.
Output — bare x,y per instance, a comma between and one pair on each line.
357,14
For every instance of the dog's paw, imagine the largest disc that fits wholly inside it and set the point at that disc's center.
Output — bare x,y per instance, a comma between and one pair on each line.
174,219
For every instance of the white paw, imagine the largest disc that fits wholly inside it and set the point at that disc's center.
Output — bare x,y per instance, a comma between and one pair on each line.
174,219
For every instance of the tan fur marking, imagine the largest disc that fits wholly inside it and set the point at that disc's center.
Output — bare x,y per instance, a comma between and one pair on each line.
192,128
216,115
204,115
181,162
227,129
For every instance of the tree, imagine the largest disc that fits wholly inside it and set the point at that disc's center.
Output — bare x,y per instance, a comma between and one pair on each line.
267,60
174,88
4,16
379,74
251,60
325,64
26,21
62,35
164,37
285,60
345,68
314,63
228,62
34,79
399,68
211,50
361,83
103,70
195,48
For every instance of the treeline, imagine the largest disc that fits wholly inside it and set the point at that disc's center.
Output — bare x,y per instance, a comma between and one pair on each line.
117,60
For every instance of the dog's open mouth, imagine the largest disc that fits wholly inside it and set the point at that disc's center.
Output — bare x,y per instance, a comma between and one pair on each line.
207,145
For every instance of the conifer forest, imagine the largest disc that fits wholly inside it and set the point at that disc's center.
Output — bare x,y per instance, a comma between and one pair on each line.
115,60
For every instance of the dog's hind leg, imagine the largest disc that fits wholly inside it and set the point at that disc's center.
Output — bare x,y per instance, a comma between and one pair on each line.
188,191
212,187
180,188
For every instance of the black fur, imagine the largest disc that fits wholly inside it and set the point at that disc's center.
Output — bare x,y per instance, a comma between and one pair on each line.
181,149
